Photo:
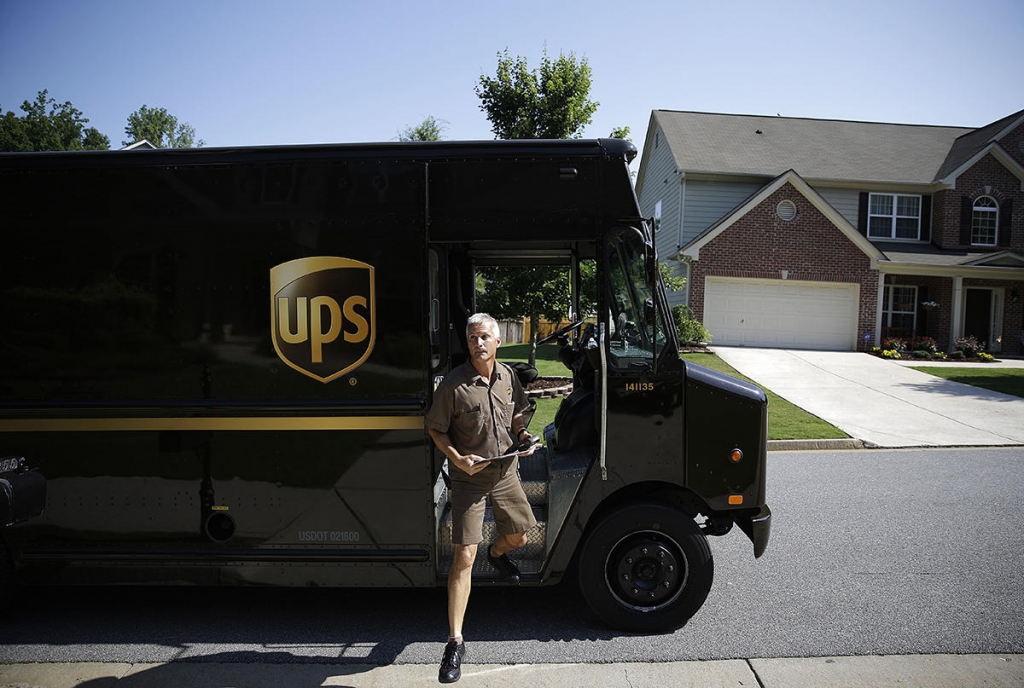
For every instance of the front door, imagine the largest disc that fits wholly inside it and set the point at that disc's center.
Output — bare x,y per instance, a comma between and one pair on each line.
978,315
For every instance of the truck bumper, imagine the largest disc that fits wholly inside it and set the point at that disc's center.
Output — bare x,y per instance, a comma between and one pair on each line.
758,527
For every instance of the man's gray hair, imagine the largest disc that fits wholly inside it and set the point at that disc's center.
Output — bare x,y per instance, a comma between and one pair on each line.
481,319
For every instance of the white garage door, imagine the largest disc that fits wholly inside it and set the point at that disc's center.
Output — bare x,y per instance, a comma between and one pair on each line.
781,313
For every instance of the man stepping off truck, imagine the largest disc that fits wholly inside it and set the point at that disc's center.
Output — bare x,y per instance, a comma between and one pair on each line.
477,415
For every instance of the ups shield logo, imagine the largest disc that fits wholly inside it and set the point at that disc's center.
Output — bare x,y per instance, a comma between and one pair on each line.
322,315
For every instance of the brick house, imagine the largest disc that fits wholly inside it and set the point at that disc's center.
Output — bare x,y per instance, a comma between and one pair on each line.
827,234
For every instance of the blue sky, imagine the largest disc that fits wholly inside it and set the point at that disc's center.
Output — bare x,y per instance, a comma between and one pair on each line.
254,72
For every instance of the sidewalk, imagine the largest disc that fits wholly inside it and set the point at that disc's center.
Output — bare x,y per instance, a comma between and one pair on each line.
931,671
883,403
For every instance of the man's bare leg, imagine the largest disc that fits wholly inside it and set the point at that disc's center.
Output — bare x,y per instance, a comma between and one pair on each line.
507,543
460,580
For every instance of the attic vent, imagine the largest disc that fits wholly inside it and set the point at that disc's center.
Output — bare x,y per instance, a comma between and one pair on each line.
786,210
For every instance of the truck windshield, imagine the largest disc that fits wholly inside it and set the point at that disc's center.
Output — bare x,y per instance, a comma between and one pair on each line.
637,332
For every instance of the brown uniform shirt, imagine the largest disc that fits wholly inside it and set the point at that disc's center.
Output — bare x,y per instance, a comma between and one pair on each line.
477,416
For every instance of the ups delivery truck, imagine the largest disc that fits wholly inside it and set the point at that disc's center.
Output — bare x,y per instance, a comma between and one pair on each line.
216,365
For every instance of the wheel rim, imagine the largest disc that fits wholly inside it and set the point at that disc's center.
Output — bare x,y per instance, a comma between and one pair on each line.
646,570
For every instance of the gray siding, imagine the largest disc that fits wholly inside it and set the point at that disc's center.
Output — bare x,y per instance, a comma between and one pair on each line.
709,201
843,200
661,183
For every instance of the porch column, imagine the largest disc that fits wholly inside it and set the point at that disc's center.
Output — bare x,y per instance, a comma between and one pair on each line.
956,316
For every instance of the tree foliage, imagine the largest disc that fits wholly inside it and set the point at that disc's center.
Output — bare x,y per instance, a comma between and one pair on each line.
620,133
160,128
49,126
550,102
430,129
535,291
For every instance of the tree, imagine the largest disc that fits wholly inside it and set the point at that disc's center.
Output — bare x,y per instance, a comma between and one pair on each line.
620,133
551,102
49,126
160,128
430,129
536,291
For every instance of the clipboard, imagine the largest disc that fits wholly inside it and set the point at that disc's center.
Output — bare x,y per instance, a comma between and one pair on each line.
520,449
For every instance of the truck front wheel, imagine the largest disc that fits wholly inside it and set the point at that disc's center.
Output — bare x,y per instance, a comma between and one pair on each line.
646,567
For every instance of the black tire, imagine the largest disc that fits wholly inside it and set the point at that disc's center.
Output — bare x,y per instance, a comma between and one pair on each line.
646,568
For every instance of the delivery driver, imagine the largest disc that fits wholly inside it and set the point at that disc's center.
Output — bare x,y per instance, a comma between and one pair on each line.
477,415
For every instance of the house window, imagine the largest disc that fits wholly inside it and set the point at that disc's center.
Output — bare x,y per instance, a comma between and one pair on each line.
894,216
899,312
984,221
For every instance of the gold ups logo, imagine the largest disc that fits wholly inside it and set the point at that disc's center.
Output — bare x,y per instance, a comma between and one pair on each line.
322,315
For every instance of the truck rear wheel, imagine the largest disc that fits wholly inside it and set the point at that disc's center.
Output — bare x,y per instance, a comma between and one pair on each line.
646,567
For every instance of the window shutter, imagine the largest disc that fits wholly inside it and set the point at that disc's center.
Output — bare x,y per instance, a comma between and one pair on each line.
862,214
926,218
1005,222
966,211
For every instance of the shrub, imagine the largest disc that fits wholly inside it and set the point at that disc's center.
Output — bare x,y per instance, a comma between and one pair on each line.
986,358
957,355
920,353
894,344
939,355
970,346
925,344
891,353
690,330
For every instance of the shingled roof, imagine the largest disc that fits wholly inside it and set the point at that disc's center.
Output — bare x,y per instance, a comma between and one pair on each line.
818,149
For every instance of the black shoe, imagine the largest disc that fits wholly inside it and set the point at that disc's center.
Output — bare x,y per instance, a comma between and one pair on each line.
451,662
507,568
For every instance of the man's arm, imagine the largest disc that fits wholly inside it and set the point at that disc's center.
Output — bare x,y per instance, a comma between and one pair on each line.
470,463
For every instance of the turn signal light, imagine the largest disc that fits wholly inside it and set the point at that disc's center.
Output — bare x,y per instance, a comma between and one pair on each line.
736,455
735,500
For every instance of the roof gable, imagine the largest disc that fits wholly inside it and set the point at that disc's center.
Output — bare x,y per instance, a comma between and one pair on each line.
692,249
968,146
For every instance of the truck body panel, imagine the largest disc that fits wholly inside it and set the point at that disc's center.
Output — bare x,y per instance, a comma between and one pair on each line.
220,361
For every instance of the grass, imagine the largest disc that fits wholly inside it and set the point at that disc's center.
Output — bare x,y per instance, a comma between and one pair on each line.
1005,380
548,365
785,421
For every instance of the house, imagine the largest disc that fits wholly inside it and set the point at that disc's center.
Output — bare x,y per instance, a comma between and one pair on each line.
828,234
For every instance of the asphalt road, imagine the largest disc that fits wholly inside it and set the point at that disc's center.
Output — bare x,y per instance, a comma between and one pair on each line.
873,552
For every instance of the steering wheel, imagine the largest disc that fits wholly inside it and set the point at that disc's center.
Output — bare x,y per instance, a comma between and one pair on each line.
558,333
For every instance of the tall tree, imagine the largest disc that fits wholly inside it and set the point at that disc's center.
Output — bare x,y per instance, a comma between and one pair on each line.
537,291
430,129
160,128
49,126
550,102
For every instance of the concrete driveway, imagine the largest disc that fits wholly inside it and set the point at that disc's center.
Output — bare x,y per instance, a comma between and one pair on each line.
882,402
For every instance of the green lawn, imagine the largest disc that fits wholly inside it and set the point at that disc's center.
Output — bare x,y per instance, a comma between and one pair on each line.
1005,380
548,365
785,421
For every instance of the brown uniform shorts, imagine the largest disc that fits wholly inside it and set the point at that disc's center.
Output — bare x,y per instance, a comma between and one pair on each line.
512,512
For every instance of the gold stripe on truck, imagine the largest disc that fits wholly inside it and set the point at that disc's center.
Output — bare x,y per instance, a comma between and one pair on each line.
157,424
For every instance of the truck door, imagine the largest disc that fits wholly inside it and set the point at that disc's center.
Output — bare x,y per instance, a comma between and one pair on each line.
642,391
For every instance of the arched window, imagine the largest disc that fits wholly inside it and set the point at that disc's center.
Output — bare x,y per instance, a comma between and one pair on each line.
984,221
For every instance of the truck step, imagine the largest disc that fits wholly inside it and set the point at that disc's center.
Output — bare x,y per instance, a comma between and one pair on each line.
529,558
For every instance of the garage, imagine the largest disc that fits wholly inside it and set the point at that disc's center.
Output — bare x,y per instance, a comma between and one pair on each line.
787,314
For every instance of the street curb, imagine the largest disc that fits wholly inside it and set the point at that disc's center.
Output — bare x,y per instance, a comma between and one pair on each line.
809,445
